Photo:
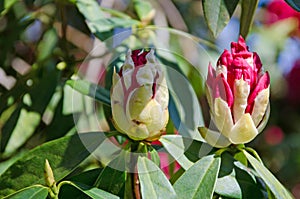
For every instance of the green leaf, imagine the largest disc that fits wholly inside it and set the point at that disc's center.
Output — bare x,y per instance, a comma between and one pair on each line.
199,181
143,9
294,4
64,155
247,16
90,89
32,192
25,127
154,183
275,186
92,192
47,45
96,21
112,179
184,107
218,13
234,186
175,146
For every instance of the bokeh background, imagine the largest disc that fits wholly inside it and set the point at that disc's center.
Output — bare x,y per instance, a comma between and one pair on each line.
43,43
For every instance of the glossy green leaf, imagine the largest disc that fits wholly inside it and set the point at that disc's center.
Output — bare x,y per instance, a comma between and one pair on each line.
153,182
275,186
199,181
112,177
247,16
63,154
238,184
92,192
174,144
294,4
218,13
32,192
90,89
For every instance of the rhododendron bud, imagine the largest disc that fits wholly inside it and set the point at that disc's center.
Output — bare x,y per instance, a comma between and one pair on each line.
238,97
139,97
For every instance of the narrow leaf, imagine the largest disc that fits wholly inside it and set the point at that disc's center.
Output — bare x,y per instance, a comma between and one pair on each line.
90,89
218,13
199,181
247,16
275,186
175,146
154,184
32,192
294,4
64,155
92,192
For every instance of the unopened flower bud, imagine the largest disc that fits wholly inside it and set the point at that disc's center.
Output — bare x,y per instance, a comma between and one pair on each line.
139,97
238,96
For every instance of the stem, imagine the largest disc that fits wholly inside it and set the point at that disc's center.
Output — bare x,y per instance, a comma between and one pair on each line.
136,147
136,185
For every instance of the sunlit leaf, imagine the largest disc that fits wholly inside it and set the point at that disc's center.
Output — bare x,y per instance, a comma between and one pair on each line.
199,180
154,183
63,154
175,146
275,186
90,89
32,192
96,21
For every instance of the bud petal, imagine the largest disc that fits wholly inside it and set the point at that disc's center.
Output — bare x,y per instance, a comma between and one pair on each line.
243,131
260,105
222,89
241,93
222,117
262,84
214,138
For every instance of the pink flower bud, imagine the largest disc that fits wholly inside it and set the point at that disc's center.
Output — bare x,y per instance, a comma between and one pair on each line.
140,97
238,96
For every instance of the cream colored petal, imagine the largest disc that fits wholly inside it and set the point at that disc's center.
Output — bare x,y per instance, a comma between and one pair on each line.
265,119
243,131
214,138
222,116
116,77
117,92
138,132
241,93
260,105
120,119
162,94
145,75
137,101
